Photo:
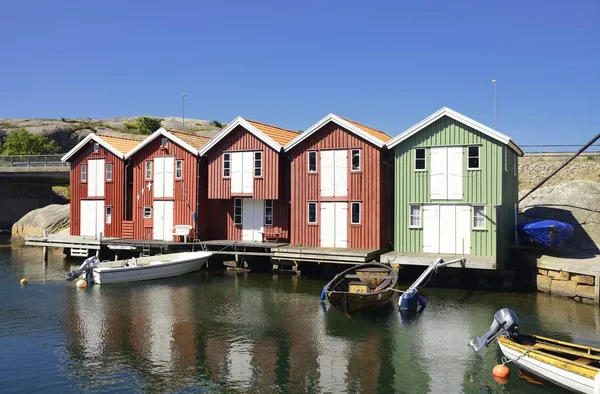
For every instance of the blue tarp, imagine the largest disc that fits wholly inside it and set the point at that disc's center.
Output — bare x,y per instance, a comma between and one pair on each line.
545,232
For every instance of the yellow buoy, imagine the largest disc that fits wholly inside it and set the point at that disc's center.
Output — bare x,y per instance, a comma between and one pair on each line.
81,284
23,281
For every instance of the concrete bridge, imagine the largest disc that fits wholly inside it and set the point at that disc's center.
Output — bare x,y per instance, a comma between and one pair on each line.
26,184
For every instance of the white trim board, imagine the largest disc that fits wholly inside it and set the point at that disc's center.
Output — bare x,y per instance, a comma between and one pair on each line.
239,121
95,138
164,133
445,111
340,122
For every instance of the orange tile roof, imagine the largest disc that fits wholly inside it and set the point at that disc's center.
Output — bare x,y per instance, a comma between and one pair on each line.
197,141
375,133
122,144
277,134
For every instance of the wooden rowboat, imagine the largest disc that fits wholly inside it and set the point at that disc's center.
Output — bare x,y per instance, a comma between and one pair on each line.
574,367
364,286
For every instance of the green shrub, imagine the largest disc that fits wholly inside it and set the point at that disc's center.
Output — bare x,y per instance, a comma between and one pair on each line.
22,142
147,124
217,124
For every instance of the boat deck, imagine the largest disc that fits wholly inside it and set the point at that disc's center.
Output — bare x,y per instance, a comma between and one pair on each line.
425,259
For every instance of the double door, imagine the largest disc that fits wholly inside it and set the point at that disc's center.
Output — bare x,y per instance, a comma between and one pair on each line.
91,222
162,223
253,216
447,229
164,182
242,172
334,173
334,224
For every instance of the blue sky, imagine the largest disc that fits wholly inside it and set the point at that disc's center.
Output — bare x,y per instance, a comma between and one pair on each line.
290,63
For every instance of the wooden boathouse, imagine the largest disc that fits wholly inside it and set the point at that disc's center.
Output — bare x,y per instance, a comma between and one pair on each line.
455,193
98,184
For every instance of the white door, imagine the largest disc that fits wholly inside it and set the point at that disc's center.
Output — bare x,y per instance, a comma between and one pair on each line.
95,178
248,172
341,224
91,222
448,229
253,213
164,176
431,229
341,173
463,229
455,173
327,173
236,172
162,222
334,224
438,176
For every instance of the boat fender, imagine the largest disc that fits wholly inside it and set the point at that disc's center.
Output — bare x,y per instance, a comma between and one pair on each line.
323,293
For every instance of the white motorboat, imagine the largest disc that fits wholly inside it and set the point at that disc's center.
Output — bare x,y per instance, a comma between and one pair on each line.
142,268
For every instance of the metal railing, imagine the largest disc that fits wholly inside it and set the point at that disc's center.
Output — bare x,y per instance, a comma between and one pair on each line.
560,151
32,161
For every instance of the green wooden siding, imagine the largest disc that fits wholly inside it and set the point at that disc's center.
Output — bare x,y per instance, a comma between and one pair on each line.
487,186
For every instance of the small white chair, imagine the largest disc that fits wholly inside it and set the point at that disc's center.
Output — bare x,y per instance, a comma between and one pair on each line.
181,229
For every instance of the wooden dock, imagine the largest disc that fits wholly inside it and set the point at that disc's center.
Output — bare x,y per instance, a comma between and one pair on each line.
293,254
425,259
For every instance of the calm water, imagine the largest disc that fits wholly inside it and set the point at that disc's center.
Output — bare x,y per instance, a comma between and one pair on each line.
250,333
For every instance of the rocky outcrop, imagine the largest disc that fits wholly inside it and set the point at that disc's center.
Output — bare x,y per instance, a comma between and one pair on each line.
574,202
53,218
533,170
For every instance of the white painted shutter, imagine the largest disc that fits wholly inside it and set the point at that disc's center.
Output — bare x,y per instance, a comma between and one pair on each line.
100,178
448,229
167,220
455,173
431,229
341,224
236,172
248,172
169,177
341,173
463,229
438,174
99,217
159,178
327,224
327,173
158,220
91,178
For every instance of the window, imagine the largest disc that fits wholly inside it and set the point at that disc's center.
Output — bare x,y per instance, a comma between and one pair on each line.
108,215
226,164
84,173
473,158
420,159
257,163
478,217
312,212
268,212
109,171
505,160
96,147
178,169
515,163
355,219
147,212
148,170
415,216
237,211
355,159
312,161
163,142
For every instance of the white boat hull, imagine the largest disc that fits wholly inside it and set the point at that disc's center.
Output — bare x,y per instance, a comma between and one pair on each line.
568,380
148,268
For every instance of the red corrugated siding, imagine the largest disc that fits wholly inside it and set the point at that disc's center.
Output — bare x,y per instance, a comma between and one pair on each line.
114,191
364,186
239,139
182,213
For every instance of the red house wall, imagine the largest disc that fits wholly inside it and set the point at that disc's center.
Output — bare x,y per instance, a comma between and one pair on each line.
365,186
188,185
114,191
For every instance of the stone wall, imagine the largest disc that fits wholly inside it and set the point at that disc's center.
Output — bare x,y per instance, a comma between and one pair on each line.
581,288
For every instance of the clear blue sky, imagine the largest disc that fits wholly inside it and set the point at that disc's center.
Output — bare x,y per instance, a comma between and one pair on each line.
289,63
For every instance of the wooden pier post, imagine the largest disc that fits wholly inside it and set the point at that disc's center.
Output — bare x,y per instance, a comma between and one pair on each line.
597,290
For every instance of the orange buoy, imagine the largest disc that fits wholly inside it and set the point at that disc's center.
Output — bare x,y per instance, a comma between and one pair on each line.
501,371
81,284
500,380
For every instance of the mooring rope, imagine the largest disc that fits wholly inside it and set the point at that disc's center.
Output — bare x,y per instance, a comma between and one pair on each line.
507,360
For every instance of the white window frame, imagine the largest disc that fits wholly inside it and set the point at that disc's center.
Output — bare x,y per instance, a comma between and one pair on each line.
108,214
178,169
268,216
164,142
258,160
237,203
505,160
473,226
147,212
109,170
469,157
424,160
352,204
148,169
311,152
96,147
352,160
411,216
83,176
226,158
308,212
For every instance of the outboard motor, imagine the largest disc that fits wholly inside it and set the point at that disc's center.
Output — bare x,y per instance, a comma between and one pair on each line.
88,265
505,322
